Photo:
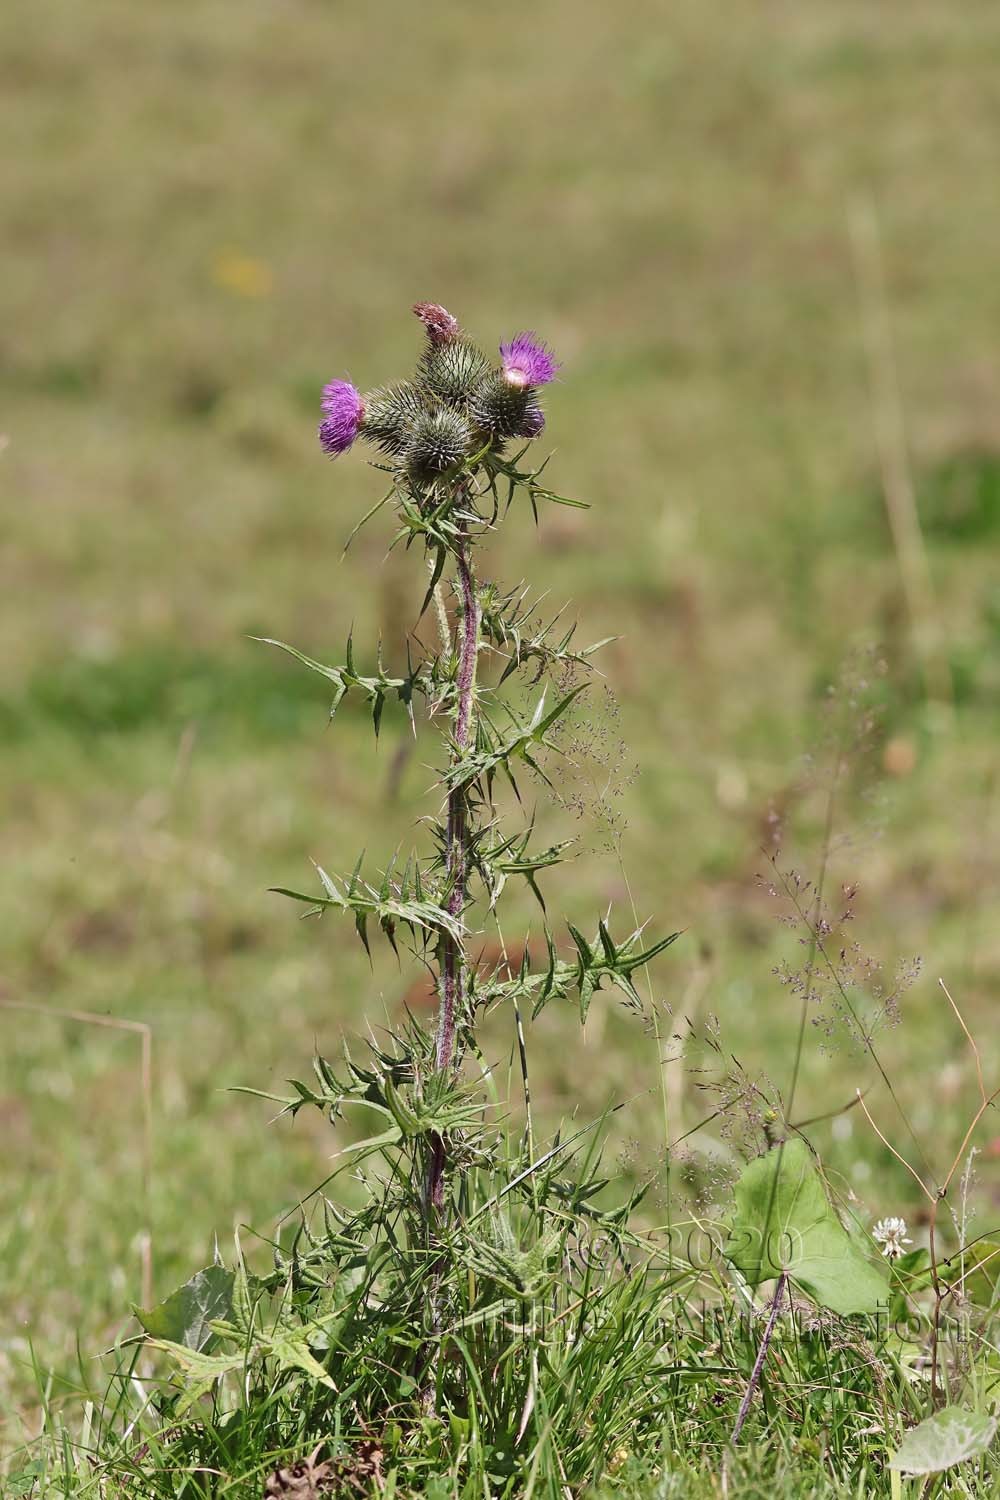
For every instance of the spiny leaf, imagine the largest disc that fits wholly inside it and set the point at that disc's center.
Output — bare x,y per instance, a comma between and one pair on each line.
333,674
290,1350
527,479
598,963
200,1371
516,744
368,515
365,903
440,553
375,689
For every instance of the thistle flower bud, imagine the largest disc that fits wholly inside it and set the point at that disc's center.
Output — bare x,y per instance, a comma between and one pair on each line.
441,326
505,410
390,414
452,371
438,439
527,361
343,412
534,421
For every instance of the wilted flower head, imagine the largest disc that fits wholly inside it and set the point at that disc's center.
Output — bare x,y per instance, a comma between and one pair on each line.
527,360
441,326
344,409
891,1235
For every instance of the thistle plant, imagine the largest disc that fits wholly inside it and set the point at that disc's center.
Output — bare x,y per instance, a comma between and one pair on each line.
453,439
435,1290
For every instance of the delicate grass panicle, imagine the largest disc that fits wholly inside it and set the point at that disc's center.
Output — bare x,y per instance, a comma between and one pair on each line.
476,1310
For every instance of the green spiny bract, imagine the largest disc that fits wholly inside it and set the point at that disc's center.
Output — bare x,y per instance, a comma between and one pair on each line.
390,415
504,410
437,441
453,372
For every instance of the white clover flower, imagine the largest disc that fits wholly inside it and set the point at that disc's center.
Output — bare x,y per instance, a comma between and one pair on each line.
891,1235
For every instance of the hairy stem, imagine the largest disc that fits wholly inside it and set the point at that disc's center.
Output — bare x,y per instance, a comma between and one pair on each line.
758,1367
452,952
456,848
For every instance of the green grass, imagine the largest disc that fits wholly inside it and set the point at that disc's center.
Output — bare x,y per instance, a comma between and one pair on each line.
206,215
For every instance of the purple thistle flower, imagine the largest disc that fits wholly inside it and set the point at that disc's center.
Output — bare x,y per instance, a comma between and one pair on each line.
344,409
527,360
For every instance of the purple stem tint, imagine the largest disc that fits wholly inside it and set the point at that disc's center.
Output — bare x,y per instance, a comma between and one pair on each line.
758,1367
453,956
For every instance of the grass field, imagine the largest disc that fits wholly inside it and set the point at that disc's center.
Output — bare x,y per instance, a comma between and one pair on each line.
206,214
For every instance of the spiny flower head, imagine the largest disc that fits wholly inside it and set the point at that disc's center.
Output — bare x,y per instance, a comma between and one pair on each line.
506,410
451,371
534,421
527,361
343,411
439,439
891,1235
457,403
390,414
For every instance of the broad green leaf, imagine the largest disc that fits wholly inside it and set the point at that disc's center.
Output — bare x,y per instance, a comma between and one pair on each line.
785,1222
25,1481
944,1440
184,1317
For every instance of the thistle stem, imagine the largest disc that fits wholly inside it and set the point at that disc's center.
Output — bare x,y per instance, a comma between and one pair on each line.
456,847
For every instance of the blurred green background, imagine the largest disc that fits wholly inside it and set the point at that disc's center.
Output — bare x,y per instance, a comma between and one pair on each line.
208,211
